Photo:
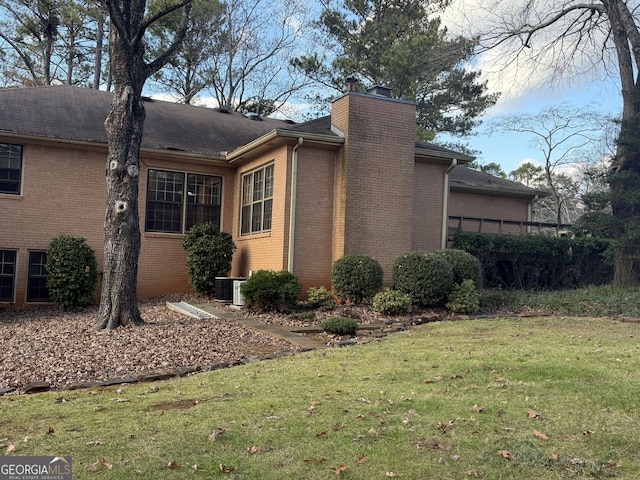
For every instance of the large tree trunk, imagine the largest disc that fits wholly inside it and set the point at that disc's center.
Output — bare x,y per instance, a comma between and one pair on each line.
118,302
625,175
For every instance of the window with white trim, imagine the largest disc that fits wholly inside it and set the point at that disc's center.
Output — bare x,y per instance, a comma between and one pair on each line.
10,168
8,260
37,290
257,200
176,200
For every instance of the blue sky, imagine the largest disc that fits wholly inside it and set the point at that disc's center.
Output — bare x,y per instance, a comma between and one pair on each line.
510,150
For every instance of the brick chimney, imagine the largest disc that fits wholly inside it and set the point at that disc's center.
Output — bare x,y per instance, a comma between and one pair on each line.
374,175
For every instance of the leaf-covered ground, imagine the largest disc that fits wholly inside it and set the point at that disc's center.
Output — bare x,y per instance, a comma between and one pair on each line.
47,345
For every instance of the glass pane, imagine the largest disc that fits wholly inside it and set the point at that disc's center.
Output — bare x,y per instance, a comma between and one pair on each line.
10,168
7,272
37,290
266,222
245,226
164,201
246,189
268,182
256,217
258,185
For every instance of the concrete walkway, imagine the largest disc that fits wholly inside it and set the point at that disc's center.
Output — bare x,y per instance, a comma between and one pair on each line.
290,335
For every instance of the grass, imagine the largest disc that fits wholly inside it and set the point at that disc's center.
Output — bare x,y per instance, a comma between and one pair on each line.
545,398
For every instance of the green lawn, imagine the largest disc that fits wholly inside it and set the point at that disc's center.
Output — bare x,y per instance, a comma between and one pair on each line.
507,398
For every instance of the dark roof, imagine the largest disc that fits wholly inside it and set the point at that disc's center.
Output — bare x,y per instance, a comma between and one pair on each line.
464,178
78,114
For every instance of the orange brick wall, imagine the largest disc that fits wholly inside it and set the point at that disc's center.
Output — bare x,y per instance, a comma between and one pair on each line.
314,217
486,206
59,195
161,266
64,191
267,250
378,159
428,192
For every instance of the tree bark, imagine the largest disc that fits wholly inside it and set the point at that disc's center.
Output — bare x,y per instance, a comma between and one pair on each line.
124,125
626,165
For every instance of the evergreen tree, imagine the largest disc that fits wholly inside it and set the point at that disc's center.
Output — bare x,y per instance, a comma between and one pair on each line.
402,45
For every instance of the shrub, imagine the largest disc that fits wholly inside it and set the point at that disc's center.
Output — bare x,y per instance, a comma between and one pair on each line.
464,298
426,278
356,277
340,326
320,298
465,266
391,302
72,272
209,254
271,291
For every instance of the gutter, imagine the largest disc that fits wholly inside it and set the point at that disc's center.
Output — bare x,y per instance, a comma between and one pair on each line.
292,209
318,138
445,204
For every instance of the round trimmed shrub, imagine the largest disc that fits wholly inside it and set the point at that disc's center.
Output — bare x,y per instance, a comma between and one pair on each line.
72,272
209,254
465,266
320,298
464,298
356,277
270,291
391,302
425,277
340,326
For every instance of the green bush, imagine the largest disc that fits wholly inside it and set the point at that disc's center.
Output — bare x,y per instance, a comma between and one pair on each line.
426,277
465,266
271,291
340,326
209,254
391,302
464,298
320,298
538,261
356,277
72,272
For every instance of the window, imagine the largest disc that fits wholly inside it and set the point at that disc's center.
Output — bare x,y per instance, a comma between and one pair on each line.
7,274
257,200
10,168
167,210
37,290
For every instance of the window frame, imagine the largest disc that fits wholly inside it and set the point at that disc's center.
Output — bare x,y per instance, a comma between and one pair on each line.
188,211
13,275
41,274
12,156
256,200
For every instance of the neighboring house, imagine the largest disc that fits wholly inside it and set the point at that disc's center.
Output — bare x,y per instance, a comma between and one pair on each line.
294,196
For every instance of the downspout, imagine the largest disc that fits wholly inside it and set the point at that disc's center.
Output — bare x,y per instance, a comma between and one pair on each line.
445,204
530,212
292,209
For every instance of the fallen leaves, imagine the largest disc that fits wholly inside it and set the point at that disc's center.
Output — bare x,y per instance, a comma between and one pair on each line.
506,454
169,341
540,435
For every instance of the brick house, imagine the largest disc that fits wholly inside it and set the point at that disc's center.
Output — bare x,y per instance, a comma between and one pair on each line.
294,196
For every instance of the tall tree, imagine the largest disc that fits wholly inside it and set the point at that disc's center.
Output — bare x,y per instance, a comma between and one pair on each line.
186,73
256,41
401,44
124,125
569,37
30,30
564,137
48,41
